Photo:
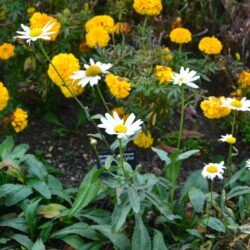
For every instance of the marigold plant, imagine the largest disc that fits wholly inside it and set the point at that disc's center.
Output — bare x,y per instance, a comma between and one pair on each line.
38,20
180,35
212,108
4,96
244,79
164,73
7,50
97,37
118,86
66,65
144,140
150,8
19,120
210,45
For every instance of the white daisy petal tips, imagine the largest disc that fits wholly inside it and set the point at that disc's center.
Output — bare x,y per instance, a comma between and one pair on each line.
248,164
186,77
211,170
114,125
235,104
228,138
36,33
91,74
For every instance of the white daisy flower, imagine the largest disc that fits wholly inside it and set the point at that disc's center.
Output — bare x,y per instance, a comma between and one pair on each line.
211,170
114,125
36,33
186,77
248,164
228,138
92,73
235,104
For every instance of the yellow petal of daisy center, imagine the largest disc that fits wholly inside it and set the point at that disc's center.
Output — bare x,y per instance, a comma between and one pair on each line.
120,128
36,32
236,103
93,71
212,169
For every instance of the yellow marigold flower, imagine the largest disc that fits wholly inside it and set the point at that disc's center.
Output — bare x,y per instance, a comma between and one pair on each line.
4,96
150,7
66,65
38,20
167,55
118,86
180,35
244,78
144,140
164,73
7,50
31,10
104,21
122,27
19,120
212,108
210,45
97,37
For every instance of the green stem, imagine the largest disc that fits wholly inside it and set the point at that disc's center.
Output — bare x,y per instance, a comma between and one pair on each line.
102,98
85,109
211,201
229,157
122,160
182,117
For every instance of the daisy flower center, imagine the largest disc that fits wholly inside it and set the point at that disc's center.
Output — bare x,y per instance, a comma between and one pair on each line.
120,128
236,103
36,32
212,169
231,140
93,71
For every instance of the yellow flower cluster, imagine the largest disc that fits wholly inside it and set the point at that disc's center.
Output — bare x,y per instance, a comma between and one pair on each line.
38,20
150,7
144,140
244,79
118,86
210,45
180,35
164,73
98,29
4,96
7,50
212,108
19,120
167,54
66,65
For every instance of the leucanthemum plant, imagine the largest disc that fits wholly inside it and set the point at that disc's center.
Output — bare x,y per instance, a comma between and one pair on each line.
32,35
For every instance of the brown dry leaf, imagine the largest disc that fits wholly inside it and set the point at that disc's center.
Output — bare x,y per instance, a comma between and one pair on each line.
192,134
167,148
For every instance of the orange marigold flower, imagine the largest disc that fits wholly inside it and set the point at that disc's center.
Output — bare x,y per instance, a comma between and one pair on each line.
38,20
97,37
212,108
210,45
244,78
180,35
104,21
7,50
122,27
19,120
118,86
149,7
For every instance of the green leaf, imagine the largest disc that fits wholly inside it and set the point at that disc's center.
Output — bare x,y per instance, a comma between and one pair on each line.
140,239
186,154
197,198
92,246
35,167
38,245
23,240
134,199
74,240
51,210
16,223
215,224
99,216
45,230
81,118
14,193
236,176
118,239
41,187
87,191
163,155
237,191
52,118
6,146
80,228
119,216
158,241
195,233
